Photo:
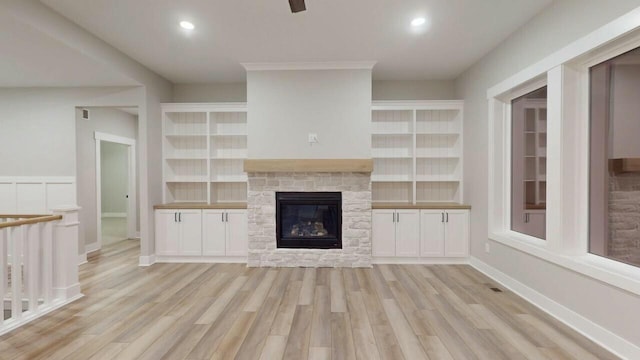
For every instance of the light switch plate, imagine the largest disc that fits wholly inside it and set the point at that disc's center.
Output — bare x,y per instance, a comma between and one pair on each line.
313,138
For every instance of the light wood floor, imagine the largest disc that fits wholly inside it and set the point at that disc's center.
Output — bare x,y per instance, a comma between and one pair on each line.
222,311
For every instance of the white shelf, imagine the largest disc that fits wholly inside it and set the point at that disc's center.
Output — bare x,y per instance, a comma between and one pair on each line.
435,133
186,179
229,178
185,135
180,158
416,148
392,134
203,148
437,178
227,135
392,157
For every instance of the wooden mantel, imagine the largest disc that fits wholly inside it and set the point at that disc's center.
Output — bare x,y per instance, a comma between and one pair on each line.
308,165
626,165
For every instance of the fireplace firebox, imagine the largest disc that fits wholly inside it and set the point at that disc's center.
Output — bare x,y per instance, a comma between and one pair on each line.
309,220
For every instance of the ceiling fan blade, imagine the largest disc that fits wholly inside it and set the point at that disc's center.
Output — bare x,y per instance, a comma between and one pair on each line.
297,6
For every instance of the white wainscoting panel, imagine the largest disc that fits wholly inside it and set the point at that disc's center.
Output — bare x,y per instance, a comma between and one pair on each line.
36,194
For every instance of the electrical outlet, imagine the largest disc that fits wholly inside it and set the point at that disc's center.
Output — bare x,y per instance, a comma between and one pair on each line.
487,247
313,138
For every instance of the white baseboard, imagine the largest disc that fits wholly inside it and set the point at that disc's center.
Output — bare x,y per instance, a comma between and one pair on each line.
147,260
419,261
89,248
600,335
82,259
114,215
202,259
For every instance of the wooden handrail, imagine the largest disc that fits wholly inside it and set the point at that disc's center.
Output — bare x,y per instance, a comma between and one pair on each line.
17,216
34,220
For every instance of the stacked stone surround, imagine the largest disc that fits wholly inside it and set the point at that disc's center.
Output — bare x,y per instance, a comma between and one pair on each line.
356,219
624,218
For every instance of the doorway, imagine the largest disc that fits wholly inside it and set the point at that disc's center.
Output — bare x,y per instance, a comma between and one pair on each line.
115,188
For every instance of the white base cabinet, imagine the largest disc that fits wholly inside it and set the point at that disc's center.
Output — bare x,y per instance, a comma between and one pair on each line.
225,232
395,233
405,234
179,232
444,233
201,235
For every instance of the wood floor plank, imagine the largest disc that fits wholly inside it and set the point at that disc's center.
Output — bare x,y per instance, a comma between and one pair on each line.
232,341
525,347
298,340
222,301
136,348
308,287
363,338
204,311
338,298
319,353
274,348
408,341
342,346
251,347
321,321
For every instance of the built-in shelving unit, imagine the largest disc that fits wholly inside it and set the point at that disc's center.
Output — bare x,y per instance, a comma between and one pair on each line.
535,154
204,146
417,151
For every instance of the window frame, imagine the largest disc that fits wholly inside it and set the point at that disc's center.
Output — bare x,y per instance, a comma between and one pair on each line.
566,75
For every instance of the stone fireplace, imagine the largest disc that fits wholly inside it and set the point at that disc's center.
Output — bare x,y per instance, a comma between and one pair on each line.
351,179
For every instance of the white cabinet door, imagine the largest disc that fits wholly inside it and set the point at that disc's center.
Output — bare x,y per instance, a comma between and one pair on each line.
456,242
190,232
237,233
383,233
167,232
408,233
536,224
432,233
214,233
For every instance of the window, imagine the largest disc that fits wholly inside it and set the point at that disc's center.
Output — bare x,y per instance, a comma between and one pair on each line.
614,228
529,163
590,181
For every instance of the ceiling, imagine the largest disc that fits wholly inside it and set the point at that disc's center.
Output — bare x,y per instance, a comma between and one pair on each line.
457,34
36,59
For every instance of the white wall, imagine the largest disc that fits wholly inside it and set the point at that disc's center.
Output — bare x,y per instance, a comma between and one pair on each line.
215,92
114,174
557,26
106,120
382,90
285,106
414,90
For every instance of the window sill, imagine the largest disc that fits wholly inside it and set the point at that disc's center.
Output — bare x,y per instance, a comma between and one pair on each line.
620,275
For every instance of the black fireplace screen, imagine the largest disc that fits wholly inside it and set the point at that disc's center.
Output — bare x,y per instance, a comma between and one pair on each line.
311,220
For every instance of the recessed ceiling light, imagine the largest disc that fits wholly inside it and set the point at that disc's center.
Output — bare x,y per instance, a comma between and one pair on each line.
187,25
418,21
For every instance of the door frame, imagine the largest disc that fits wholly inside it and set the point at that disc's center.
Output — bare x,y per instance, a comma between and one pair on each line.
131,183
